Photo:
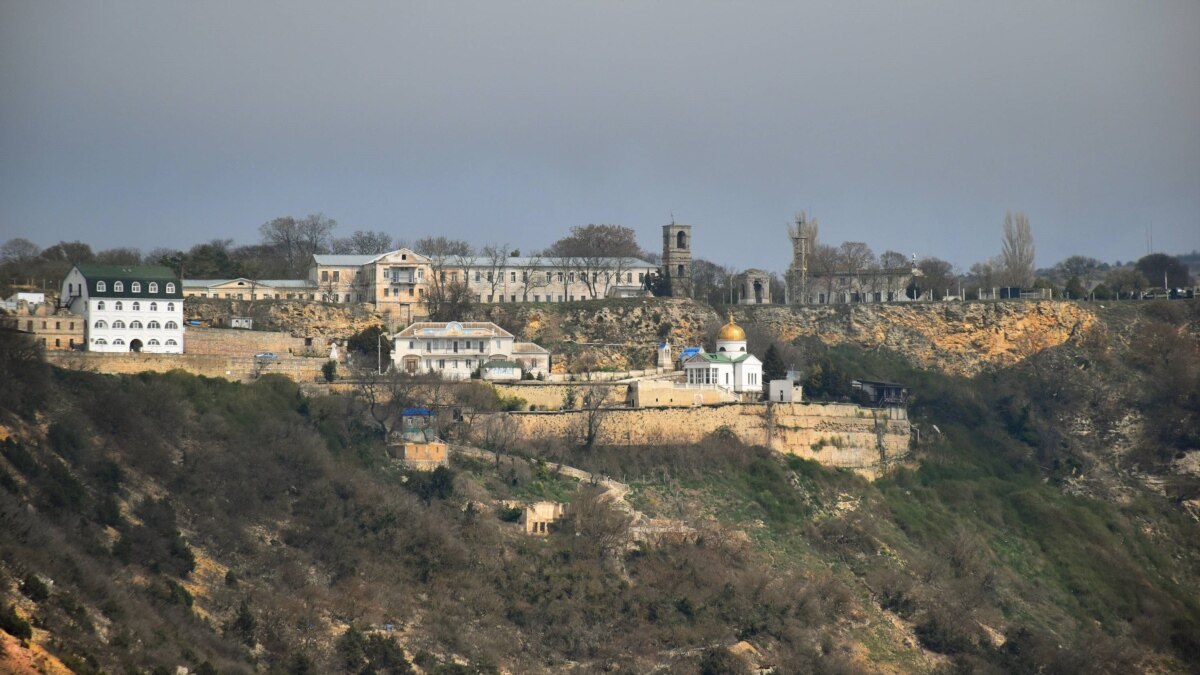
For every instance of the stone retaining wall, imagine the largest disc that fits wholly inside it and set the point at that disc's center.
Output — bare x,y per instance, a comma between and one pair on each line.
236,368
236,342
841,435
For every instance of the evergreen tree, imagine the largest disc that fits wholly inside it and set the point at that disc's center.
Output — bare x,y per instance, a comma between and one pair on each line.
773,366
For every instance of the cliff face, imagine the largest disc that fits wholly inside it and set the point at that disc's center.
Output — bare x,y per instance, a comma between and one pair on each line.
958,338
299,318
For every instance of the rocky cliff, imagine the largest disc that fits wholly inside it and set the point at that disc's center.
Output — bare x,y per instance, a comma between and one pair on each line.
297,317
955,337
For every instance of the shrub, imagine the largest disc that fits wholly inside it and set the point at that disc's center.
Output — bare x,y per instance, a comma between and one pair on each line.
13,624
329,370
34,588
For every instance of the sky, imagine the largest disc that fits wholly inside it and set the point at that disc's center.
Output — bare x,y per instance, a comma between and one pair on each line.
910,126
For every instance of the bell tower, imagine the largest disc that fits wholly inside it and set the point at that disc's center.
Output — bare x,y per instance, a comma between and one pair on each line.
677,259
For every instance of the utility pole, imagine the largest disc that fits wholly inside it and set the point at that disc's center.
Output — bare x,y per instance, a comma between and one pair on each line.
379,353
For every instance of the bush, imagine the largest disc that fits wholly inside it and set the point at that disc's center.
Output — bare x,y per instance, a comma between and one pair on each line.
329,370
33,588
13,624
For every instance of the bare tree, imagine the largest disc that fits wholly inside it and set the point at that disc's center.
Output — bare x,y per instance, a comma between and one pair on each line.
894,268
594,250
120,256
449,261
823,265
1017,253
296,240
595,407
383,398
19,250
533,276
853,257
495,258
1125,281
363,242
1079,266
938,277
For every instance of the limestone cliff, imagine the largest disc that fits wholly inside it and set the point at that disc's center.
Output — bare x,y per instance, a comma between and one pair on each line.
297,317
958,338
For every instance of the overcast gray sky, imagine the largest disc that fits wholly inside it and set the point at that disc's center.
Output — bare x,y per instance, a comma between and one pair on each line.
907,125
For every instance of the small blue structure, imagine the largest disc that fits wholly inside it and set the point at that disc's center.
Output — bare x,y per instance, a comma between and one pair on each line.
417,425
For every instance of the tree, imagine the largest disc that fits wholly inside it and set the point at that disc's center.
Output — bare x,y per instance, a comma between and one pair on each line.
853,257
70,252
596,252
1158,268
986,274
1125,282
363,242
894,268
19,250
938,277
1017,253
823,264
124,256
449,261
296,240
1079,267
773,366
495,257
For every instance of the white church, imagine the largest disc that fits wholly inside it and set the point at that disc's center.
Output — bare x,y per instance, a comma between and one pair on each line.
730,367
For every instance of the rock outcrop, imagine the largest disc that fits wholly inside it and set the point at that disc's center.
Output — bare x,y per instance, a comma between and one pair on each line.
297,317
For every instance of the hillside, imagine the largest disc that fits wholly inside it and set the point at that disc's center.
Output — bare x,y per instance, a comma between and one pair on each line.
158,521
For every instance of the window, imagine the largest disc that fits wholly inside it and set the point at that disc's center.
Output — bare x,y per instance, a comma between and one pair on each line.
118,305
154,325
57,342
100,324
57,325
101,287
100,306
152,341
412,344
170,307
514,299
100,341
512,277
171,325
135,287
118,287
477,275
454,277
491,298
337,275
119,324
137,307
571,276
441,364
154,307
172,342
118,341
153,286
170,287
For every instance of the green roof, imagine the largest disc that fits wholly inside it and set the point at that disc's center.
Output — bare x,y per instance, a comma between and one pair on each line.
127,275
721,357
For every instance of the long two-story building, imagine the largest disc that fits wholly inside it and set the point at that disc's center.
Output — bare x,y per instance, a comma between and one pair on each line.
455,350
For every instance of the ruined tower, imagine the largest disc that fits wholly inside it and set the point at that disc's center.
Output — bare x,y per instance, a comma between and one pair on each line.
677,259
803,234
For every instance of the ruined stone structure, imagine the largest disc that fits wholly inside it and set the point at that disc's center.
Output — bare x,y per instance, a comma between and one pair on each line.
536,518
754,288
51,327
677,259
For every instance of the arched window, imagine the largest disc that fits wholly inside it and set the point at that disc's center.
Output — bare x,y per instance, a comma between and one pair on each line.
137,306
135,287
152,342
101,324
119,324
154,325
100,341
171,325
153,286
118,287
170,307
170,287
135,325
101,287
118,306
153,306
172,342
100,306
681,240
118,341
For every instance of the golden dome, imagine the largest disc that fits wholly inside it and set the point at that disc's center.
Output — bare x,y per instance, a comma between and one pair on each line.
731,331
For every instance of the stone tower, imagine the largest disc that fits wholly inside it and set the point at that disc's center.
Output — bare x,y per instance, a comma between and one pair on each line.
804,237
677,259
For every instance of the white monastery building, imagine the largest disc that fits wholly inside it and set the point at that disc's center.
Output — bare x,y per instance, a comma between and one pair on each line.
127,309
731,367
456,349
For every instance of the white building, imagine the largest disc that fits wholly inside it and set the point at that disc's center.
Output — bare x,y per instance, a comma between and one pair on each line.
457,349
731,367
127,308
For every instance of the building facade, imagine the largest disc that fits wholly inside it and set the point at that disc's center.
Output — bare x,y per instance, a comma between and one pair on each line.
455,350
250,289
754,288
51,327
126,308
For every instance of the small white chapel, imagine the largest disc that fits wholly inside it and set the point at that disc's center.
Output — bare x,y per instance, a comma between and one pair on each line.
730,367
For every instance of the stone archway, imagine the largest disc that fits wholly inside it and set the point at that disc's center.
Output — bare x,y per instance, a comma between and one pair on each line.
135,345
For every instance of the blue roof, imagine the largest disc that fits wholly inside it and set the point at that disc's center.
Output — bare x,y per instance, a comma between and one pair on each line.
417,412
689,351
